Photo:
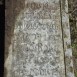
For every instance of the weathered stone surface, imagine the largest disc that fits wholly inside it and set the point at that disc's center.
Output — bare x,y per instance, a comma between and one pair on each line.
39,41
67,40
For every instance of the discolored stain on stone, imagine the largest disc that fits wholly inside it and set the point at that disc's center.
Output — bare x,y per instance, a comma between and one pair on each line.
30,76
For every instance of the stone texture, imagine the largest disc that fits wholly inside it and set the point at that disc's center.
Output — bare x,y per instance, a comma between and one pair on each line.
41,35
67,40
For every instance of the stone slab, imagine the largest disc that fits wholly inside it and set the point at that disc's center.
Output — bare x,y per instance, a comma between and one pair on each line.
38,47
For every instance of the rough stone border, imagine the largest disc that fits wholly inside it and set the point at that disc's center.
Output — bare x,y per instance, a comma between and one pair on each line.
66,39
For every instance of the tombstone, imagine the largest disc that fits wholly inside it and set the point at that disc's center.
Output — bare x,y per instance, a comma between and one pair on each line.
41,45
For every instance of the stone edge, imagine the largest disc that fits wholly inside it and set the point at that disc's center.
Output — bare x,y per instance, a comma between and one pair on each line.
67,39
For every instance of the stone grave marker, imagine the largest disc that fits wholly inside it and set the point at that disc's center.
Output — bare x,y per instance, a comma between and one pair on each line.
41,43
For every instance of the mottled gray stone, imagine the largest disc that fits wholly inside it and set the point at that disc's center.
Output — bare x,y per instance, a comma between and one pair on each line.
38,45
67,40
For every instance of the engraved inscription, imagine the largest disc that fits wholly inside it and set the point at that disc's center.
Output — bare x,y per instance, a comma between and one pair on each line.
37,43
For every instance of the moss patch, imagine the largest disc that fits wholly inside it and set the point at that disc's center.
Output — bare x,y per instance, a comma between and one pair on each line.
76,73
